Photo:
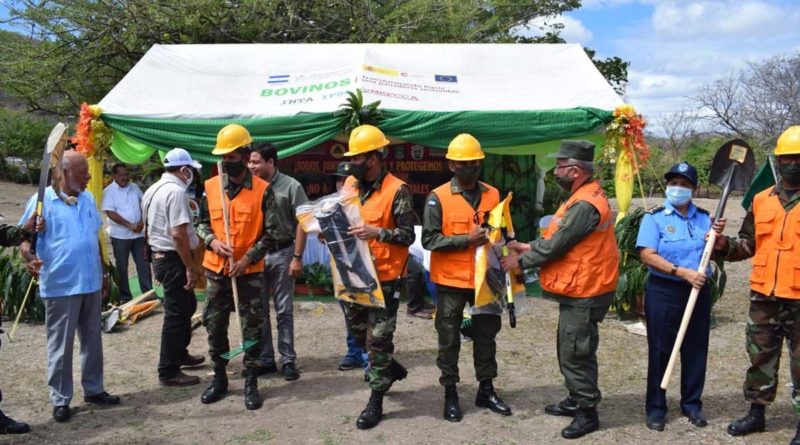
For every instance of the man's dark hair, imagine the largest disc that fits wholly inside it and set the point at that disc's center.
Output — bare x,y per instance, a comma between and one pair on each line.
115,168
174,168
267,151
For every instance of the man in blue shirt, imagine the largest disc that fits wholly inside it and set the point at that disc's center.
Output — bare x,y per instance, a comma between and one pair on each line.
71,284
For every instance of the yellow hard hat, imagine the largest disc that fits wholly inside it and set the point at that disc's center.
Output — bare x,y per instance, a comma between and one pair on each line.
364,139
230,138
464,147
789,142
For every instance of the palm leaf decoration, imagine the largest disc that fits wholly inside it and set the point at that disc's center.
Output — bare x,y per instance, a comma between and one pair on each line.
353,112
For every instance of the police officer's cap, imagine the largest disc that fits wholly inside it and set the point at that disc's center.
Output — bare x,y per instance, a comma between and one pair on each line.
342,170
684,169
580,150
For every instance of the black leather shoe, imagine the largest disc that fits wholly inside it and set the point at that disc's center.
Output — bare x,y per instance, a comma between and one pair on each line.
487,398
452,410
103,398
373,413
62,413
585,422
566,408
399,372
347,365
179,379
11,426
290,371
269,369
252,399
656,423
697,418
753,422
217,389
192,360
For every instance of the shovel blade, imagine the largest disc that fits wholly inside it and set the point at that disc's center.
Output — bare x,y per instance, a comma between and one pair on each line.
238,350
734,152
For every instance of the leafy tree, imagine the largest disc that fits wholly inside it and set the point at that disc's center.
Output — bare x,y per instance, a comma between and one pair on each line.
77,50
22,136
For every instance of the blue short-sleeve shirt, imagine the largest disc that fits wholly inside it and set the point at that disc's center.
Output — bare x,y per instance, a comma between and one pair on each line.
68,247
678,239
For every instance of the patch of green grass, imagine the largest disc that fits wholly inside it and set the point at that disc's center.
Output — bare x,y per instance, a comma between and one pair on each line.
329,439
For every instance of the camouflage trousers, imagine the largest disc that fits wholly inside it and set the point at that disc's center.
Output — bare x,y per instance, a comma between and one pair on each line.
216,315
373,330
772,321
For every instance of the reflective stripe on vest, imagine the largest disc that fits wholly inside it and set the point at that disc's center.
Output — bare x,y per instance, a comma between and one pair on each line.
456,268
376,211
776,263
246,222
591,267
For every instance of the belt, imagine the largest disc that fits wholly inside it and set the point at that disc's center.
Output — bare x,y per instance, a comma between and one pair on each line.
280,246
158,255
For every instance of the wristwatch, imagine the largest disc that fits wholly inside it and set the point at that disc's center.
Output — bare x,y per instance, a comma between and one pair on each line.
298,256
674,270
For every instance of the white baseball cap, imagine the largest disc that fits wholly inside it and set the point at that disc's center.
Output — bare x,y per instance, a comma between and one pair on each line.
178,157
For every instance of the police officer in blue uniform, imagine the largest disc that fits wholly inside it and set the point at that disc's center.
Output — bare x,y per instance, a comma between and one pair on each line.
670,242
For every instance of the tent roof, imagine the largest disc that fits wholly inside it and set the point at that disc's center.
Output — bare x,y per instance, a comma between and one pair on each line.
241,81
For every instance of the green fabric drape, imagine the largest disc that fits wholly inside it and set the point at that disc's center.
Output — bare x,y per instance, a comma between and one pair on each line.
512,130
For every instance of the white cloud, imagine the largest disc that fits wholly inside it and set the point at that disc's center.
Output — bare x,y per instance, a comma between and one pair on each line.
743,19
573,32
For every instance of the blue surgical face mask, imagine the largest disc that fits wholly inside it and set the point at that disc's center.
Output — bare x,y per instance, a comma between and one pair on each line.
677,195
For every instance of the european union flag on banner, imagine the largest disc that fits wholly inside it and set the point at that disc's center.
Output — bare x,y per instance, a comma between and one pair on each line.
445,78
283,78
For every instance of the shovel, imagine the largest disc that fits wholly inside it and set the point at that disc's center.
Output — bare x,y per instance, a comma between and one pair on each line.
243,344
733,168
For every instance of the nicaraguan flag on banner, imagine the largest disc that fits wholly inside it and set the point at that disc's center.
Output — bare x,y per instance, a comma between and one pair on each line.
281,78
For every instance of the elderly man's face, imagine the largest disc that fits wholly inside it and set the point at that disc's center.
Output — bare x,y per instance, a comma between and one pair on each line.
76,174
121,177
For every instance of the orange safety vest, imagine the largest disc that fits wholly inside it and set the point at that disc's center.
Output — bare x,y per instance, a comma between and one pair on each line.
456,268
246,222
377,211
591,267
776,263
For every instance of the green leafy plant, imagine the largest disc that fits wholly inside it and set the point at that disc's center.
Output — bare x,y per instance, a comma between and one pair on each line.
14,285
317,275
353,112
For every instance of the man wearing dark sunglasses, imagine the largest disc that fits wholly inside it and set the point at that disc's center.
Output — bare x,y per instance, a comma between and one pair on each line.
452,231
578,258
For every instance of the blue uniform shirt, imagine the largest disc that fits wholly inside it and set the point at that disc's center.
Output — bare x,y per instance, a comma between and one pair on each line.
678,239
68,247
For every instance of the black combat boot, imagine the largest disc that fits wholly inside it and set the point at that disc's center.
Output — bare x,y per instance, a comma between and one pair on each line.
585,422
753,422
252,399
487,398
399,372
372,414
452,410
566,408
218,387
11,426
796,438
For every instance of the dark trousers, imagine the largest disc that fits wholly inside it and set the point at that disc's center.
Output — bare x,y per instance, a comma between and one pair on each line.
179,306
665,301
123,248
449,314
415,285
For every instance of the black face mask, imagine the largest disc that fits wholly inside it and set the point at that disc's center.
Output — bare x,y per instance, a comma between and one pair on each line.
790,173
564,182
358,170
233,168
467,175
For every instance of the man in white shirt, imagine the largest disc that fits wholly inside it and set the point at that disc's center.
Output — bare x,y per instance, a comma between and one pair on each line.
122,202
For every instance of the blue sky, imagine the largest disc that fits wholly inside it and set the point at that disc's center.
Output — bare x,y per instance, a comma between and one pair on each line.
675,47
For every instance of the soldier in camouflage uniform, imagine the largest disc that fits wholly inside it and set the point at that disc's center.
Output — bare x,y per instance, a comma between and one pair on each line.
246,203
12,236
770,234
389,227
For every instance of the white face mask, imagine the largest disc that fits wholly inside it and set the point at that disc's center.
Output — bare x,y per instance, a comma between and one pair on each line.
189,179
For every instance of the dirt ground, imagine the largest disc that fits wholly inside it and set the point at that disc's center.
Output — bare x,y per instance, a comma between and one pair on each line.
321,407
